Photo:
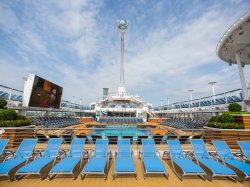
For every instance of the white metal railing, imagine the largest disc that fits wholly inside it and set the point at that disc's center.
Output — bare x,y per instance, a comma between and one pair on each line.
210,101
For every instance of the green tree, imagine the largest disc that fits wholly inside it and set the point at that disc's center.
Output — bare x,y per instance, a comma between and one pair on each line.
8,114
3,103
226,118
234,107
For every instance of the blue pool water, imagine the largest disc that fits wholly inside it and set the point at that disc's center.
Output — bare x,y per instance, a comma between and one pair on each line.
123,130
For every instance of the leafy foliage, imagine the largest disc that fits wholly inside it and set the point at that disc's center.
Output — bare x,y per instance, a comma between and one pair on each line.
224,121
214,119
225,125
234,107
3,103
16,123
7,114
226,118
9,118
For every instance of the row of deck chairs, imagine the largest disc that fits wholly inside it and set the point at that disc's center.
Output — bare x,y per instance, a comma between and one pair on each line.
121,120
98,162
91,139
185,123
54,122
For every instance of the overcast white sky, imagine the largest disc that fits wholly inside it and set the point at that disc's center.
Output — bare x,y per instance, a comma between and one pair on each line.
169,46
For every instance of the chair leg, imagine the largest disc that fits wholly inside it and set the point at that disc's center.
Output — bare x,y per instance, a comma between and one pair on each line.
166,175
74,176
17,177
11,179
180,177
82,176
135,176
204,177
113,176
234,179
210,178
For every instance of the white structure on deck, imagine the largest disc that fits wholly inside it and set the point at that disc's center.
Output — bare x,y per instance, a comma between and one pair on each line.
121,103
234,48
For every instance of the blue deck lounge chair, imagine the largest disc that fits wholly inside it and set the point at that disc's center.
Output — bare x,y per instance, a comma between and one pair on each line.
227,158
245,148
202,157
49,155
68,164
150,162
21,156
124,162
98,163
187,166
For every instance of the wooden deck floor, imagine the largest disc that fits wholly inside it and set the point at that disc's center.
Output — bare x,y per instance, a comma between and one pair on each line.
122,180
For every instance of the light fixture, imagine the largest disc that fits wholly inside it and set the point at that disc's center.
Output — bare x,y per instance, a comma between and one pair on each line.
230,40
241,31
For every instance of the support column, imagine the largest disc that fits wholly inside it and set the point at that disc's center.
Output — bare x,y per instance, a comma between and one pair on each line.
122,26
243,81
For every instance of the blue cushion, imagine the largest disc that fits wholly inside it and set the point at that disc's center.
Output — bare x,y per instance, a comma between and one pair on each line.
124,154
8,165
217,167
149,153
240,165
66,165
35,166
124,165
95,165
153,164
187,165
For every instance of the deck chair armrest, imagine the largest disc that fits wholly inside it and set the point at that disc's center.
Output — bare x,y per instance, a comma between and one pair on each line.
7,154
85,152
189,154
36,154
239,155
109,154
91,152
165,155
116,154
159,154
62,154
214,155
140,154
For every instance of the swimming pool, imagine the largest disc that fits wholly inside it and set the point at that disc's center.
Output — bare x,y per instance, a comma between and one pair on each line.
122,130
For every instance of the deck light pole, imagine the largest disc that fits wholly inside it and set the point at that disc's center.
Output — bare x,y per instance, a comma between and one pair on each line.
212,83
191,97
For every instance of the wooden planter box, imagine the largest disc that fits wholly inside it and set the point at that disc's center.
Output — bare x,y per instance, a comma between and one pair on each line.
16,135
230,136
243,119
